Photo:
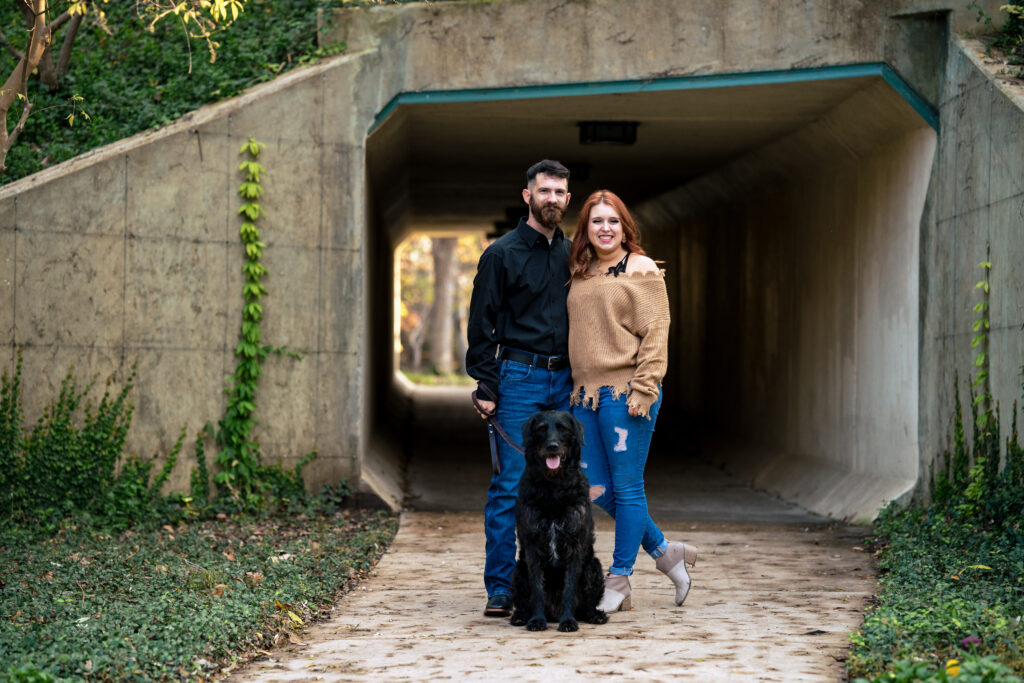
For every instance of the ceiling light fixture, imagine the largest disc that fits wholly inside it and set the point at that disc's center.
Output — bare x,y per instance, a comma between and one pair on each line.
607,132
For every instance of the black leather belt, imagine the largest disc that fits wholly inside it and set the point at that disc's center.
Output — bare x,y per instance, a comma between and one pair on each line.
535,360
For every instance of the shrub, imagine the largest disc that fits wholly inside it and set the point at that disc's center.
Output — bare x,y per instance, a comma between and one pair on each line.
60,465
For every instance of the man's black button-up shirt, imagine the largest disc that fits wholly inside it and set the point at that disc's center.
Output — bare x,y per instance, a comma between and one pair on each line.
518,300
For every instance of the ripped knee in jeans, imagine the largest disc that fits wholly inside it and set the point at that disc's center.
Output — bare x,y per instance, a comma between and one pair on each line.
596,492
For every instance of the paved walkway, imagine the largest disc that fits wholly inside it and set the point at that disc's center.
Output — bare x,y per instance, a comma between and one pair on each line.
776,591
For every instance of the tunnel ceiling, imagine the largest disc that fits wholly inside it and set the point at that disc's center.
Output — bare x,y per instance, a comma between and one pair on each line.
461,164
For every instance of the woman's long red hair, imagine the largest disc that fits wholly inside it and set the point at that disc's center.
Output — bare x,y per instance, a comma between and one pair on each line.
581,253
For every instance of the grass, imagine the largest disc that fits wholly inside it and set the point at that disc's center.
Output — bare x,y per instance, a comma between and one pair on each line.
173,602
435,379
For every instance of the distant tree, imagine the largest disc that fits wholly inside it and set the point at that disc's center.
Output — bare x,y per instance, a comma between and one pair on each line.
445,273
436,277
417,292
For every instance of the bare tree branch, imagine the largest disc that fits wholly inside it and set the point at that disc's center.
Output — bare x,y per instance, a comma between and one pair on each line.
18,128
59,21
69,41
10,48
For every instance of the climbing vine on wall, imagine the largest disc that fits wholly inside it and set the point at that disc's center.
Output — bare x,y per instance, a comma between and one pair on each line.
242,475
981,326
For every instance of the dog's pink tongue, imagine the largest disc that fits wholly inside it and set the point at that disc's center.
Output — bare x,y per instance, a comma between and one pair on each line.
552,462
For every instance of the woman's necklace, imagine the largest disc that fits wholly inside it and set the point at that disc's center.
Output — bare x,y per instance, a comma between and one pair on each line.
619,267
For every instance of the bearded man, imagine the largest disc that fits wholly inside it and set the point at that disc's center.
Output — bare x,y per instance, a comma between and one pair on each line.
518,353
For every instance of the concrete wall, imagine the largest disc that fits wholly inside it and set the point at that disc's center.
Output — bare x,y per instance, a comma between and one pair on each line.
976,198
130,254
800,261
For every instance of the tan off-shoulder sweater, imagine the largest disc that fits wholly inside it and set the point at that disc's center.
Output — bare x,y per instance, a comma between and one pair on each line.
618,337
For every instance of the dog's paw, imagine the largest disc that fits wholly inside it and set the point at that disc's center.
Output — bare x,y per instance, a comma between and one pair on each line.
517,619
568,626
598,618
537,624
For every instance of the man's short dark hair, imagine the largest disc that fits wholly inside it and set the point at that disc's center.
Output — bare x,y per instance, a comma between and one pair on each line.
548,167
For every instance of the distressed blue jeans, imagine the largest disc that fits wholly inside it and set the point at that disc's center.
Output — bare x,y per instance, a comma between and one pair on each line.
614,457
523,391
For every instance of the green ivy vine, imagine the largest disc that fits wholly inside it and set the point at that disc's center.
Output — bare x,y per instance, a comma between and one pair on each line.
982,401
242,475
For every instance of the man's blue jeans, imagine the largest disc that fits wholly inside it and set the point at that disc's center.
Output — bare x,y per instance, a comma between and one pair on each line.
614,457
523,391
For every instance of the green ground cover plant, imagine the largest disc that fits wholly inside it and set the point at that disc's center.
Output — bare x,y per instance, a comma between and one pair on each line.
952,565
106,577
177,602
131,80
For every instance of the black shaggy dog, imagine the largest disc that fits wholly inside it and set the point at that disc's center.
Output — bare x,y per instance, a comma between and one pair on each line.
557,576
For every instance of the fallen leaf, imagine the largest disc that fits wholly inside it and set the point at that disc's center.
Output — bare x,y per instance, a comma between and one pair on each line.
295,618
292,638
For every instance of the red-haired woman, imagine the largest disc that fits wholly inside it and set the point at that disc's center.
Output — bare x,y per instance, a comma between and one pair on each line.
618,350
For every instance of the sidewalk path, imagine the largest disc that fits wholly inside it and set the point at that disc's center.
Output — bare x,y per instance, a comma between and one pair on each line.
776,590
769,603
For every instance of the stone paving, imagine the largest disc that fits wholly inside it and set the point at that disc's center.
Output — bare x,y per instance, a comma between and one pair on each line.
776,590
769,603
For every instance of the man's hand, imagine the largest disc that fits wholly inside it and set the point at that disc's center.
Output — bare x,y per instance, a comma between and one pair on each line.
485,408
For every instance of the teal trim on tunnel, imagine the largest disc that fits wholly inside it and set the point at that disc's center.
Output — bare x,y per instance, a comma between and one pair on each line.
826,73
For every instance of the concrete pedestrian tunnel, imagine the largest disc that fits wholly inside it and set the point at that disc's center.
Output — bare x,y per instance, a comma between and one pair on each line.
786,208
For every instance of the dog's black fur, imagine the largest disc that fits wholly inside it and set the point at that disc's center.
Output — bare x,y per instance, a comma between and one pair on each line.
557,576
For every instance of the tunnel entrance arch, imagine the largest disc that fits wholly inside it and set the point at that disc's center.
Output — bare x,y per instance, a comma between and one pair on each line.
786,206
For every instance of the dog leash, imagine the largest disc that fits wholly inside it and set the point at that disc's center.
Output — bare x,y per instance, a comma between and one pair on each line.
493,428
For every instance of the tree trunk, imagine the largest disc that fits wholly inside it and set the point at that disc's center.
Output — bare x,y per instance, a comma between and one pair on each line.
442,331
17,82
416,338
51,72
462,327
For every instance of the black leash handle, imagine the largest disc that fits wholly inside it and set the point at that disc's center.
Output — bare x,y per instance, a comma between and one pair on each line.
492,427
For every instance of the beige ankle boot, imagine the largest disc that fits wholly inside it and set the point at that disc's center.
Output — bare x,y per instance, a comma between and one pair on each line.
616,594
673,565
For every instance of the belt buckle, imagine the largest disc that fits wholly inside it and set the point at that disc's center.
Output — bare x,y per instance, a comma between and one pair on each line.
550,362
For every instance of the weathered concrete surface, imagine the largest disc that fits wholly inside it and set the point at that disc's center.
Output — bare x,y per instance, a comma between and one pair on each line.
144,268
130,253
769,602
802,265
975,200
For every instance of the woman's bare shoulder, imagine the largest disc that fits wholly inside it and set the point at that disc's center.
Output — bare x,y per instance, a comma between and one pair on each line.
638,263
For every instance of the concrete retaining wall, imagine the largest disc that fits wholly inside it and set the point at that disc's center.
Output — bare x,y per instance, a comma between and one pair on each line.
129,254
976,198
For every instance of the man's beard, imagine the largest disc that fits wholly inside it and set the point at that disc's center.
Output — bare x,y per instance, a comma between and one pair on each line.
549,215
